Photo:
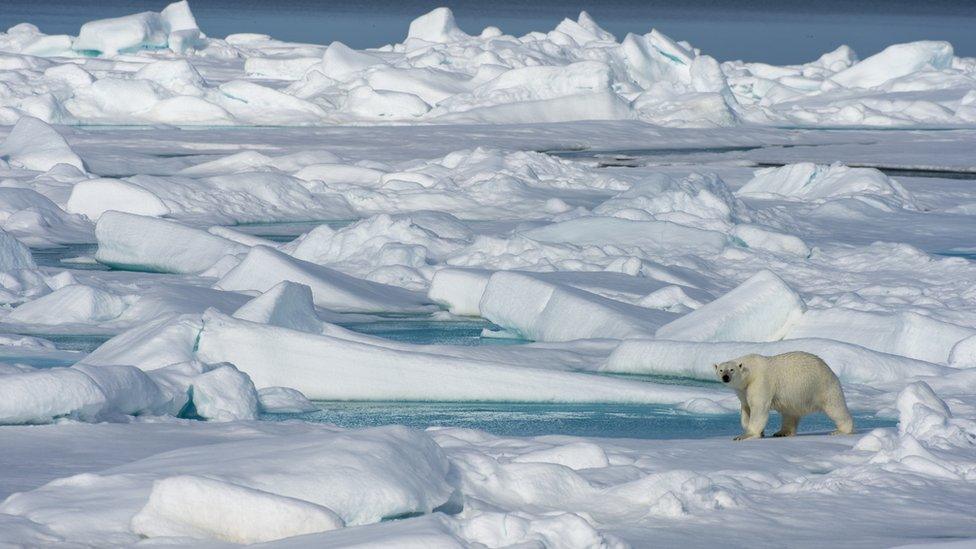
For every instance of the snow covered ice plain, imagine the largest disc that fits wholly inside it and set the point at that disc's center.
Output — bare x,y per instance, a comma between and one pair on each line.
231,266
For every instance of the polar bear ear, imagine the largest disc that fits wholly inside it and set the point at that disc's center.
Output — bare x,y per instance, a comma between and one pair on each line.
715,366
743,368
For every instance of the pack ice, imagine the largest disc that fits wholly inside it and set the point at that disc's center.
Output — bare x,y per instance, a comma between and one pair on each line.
180,307
151,68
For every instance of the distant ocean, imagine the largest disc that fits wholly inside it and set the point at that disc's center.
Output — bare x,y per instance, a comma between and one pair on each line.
786,31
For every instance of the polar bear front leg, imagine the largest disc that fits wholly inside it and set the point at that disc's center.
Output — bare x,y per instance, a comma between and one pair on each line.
758,417
744,416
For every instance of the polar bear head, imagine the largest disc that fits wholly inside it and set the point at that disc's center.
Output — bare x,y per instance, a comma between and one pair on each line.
733,373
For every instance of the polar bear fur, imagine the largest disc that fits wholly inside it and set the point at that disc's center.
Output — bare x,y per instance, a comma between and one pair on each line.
794,384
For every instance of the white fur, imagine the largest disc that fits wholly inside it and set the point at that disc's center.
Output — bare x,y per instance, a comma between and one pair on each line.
794,384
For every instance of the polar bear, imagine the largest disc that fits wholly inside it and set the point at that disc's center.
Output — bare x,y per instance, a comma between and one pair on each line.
794,384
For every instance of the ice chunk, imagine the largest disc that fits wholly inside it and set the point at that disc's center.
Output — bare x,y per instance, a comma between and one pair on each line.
202,508
183,31
808,181
175,27
110,36
321,368
146,243
287,304
760,309
691,359
645,235
284,400
963,353
762,238
543,311
14,255
34,145
896,61
264,268
225,394
366,102
459,290
127,390
905,333
74,304
340,61
176,75
436,26
41,396
161,342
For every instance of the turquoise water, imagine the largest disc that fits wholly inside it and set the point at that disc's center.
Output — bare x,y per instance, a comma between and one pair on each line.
519,419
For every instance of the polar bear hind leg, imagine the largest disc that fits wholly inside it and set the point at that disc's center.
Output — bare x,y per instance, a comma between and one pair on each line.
790,423
836,410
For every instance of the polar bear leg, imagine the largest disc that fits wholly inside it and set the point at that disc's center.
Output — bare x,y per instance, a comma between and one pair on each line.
788,429
841,418
744,417
758,417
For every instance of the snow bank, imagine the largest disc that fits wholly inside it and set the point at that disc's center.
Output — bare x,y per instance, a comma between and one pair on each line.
74,304
284,400
543,311
906,333
816,182
896,61
14,256
691,359
362,476
624,234
124,242
331,368
41,395
33,145
202,508
697,200
264,268
760,309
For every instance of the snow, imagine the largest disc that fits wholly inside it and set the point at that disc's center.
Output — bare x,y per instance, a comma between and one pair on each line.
542,311
174,247
264,268
287,304
201,508
316,366
760,309
34,145
224,394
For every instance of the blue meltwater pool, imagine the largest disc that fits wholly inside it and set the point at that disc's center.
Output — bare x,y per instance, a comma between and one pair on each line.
520,419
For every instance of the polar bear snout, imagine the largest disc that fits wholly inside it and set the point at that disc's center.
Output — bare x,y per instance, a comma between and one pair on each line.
726,378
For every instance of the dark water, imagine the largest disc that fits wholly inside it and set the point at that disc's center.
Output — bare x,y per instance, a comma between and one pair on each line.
287,231
773,31
61,256
591,420
432,332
